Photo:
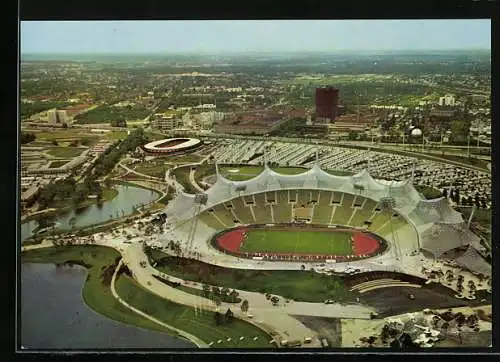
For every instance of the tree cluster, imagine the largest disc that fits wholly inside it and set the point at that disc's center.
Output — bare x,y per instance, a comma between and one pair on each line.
119,123
106,114
226,318
292,126
27,137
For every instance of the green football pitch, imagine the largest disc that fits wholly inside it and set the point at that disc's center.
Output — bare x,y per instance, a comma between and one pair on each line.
313,242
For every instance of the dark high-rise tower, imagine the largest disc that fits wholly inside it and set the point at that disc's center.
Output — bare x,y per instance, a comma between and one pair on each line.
327,100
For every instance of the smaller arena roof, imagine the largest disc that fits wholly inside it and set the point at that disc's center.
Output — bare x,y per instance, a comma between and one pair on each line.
171,144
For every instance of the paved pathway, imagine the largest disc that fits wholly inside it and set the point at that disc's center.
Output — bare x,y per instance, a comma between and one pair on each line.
189,336
193,181
280,317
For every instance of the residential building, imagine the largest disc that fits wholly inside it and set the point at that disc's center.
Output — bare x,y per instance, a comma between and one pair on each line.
327,101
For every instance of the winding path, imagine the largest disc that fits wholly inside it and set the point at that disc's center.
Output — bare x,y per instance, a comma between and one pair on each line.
193,181
189,336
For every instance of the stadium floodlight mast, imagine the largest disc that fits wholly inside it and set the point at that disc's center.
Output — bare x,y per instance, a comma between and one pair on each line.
417,132
413,171
368,159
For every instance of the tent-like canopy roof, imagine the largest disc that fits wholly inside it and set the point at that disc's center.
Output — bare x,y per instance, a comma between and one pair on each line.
440,227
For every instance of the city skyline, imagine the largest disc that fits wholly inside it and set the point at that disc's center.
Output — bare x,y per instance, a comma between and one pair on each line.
283,36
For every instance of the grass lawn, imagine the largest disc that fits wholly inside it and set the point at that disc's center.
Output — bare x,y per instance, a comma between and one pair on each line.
188,158
154,168
57,164
182,176
321,242
115,135
293,284
65,152
97,295
201,324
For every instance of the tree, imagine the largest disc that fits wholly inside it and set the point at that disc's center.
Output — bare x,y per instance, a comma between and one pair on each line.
206,290
352,136
244,306
459,131
27,137
445,326
229,316
218,318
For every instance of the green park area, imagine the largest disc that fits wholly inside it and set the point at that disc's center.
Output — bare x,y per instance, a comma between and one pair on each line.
65,152
298,285
58,163
201,323
115,135
155,168
106,114
101,263
29,109
314,242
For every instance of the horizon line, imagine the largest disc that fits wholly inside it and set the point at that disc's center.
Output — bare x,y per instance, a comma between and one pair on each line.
256,51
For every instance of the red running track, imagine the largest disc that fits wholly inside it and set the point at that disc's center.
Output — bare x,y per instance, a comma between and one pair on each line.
364,244
232,240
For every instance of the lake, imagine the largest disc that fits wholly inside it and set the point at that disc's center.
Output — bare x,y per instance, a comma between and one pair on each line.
54,315
123,204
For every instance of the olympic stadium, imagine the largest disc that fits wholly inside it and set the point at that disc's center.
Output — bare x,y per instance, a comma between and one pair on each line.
386,219
328,235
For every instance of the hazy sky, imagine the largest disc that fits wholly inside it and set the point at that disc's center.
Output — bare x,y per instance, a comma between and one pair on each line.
265,36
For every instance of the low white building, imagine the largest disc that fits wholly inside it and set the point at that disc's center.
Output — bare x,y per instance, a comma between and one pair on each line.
447,100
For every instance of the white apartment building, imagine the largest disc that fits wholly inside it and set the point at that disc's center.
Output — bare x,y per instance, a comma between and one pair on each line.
447,100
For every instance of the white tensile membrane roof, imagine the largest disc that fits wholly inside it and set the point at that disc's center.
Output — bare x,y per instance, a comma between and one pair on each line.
429,217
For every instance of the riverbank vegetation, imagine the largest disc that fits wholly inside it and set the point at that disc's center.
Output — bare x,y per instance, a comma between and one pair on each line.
96,294
101,263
